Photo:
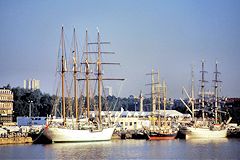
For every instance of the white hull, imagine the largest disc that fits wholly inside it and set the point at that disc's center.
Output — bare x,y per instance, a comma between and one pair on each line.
70,135
192,132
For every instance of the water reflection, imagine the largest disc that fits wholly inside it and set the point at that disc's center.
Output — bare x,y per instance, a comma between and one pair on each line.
207,141
116,149
88,150
142,149
209,148
128,149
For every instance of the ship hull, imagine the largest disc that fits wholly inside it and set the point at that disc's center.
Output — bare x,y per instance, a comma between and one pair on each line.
161,136
192,132
40,138
61,135
139,135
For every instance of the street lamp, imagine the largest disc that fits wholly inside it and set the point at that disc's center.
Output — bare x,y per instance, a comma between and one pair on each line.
135,106
30,109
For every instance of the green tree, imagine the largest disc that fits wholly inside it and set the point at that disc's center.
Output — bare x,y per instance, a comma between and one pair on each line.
41,104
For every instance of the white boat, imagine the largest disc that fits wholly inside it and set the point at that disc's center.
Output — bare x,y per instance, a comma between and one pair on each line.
89,128
192,132
79,135
205,128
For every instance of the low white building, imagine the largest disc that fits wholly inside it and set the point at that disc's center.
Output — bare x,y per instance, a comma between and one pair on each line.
131,120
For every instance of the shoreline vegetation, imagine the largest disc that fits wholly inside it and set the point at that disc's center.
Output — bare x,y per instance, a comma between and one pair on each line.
42,104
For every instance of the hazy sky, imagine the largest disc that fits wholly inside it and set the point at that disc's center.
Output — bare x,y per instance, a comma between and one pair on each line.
167,35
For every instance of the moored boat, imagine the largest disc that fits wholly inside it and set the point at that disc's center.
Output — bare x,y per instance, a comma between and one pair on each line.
206,127
139,134
192,132
86,128
70,135
161,136
165,128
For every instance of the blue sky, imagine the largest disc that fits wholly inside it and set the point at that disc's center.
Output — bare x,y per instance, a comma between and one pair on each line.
145,34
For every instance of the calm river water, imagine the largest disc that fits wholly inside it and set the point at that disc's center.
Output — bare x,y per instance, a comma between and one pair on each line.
127,149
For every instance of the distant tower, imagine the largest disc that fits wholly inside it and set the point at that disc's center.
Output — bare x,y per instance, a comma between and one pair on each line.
32,84
141,101
108,91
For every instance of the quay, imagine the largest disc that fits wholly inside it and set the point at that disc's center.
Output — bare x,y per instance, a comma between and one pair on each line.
7,137
15,140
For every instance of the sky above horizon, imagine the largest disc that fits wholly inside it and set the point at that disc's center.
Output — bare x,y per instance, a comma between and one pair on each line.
168,36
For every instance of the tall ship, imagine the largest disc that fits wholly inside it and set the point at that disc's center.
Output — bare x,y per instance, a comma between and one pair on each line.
205,127
161,128
81,127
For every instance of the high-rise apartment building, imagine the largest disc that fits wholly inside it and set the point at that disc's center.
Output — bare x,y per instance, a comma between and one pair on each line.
32,84
108,91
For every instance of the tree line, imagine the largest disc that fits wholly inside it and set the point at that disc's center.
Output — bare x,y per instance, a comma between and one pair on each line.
42,104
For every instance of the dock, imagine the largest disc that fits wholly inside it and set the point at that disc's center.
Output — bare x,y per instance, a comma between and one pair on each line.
15,140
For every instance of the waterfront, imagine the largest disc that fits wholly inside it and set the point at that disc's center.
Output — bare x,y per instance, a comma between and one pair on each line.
127,149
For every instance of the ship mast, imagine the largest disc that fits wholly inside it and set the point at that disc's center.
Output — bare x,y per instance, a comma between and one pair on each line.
216,81
99,77
202,88
87,78
63,77
141,102
191,99
165,102
153,90
75,74
153,97
152,93
159,101
192,93
99,73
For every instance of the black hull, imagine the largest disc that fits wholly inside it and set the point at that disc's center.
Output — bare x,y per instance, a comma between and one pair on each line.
40,138
161,136
139,136
181,135
233,134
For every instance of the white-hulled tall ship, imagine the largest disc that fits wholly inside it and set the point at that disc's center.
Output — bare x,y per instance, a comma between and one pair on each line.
85,129
205,128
